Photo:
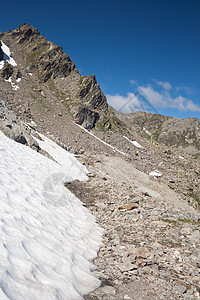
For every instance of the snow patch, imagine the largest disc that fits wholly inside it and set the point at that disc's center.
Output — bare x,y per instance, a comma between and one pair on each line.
113,148
155,173
1,64
18,79
181,157
135,143
6,55
8,80
46,242
15,87
146,131
67,160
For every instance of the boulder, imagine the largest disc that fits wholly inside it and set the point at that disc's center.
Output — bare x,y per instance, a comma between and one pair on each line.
87,118
7,71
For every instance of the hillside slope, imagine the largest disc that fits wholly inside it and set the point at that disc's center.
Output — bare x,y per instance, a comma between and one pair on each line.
181,133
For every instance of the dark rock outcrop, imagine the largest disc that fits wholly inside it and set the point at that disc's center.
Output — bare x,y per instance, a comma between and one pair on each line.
16,130
7,71
87,118
55,63
91,93
19,75
26,32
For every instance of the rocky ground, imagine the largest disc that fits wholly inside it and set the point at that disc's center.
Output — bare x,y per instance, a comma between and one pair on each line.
151,243
151,246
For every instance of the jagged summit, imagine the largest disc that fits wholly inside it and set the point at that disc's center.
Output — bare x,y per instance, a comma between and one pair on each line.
48,64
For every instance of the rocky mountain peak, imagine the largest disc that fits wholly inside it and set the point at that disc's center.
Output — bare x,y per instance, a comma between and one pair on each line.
50,65
26,32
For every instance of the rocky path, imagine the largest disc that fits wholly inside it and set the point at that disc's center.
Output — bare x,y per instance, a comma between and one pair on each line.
152,240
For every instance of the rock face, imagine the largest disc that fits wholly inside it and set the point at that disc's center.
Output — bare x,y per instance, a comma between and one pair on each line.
12,127
87,118
91,92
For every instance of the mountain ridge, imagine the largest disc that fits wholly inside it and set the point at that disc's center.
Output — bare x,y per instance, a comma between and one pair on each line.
81,95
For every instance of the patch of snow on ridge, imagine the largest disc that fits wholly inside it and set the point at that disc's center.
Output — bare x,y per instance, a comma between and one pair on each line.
1,64
6,55
113,148
155,173
15,87
47,243
146,131
135,143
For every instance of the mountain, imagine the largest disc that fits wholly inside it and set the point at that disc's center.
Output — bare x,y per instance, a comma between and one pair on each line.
142,186
48,75
40,84
181,133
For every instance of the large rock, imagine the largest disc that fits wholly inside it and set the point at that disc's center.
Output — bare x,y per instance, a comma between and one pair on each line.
16,130
91,93
7,71
87,118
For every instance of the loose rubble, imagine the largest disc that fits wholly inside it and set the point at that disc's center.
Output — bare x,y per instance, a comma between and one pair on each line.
151,246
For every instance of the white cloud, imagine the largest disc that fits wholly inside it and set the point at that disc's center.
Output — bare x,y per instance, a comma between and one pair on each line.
164,100
133,82
164,84
127,104
154,97
186,89
192,106
150,98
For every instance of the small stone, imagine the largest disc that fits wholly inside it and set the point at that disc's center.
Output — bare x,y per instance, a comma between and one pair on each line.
185,231
107,289
141,253
128,206
126,297
124,267
179,289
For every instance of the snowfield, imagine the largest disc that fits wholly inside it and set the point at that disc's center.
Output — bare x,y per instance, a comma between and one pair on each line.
6,54
135,143
47,237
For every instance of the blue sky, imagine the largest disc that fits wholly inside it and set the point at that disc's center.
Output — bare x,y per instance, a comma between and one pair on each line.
144,53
